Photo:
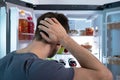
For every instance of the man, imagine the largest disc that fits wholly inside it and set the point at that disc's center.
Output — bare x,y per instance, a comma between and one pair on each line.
30,63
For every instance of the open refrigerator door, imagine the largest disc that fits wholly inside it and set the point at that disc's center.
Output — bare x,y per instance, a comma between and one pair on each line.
22,28
111,38
25,29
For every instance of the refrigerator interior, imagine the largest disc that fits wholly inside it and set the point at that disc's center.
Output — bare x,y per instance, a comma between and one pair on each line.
2,31
79,21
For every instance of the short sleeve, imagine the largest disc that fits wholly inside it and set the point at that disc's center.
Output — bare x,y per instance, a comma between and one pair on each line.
49,70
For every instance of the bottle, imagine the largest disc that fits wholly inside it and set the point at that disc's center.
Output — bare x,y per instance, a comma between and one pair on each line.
23,25
72,62
30,27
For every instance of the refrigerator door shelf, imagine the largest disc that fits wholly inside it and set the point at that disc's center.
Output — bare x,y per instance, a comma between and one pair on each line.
32,34
26,36
19,37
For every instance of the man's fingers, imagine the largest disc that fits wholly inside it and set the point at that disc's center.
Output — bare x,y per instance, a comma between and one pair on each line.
41,27
45,37
45,23
49,20
55,20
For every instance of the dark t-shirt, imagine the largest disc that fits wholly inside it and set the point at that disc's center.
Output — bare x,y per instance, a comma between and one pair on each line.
29,67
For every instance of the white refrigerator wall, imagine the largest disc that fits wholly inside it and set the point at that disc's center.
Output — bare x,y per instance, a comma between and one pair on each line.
2,32
97,23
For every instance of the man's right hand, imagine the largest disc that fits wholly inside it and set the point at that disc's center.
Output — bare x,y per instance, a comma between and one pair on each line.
54,29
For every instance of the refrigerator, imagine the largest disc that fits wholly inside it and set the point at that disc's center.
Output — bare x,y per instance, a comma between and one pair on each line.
104,38
3,29
20,38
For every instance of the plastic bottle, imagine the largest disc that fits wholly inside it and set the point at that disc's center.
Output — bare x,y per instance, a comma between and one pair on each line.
23,25
30,27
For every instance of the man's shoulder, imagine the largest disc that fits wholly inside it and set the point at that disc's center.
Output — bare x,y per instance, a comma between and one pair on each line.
44,62
49,70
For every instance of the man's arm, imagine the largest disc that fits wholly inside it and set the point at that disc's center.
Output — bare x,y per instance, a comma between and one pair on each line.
91,68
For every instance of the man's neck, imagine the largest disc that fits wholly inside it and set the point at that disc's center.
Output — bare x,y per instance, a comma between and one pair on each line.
40,49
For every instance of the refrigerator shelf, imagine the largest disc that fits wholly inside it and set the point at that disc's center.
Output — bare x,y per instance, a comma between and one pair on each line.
26,36
32,34
113,25
114,60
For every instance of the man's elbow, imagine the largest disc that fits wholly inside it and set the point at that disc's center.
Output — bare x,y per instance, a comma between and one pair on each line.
107,76
110,76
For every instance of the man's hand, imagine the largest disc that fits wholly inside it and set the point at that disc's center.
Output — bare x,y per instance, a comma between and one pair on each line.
54,29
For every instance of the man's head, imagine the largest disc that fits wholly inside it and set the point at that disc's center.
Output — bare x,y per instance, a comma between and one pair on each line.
63,21
60,17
